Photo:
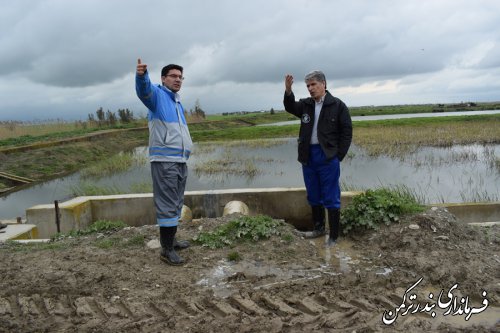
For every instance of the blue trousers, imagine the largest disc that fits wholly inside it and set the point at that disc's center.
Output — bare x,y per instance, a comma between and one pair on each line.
321,178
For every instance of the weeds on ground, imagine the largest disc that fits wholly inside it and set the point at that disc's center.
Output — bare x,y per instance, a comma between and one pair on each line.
111,242
242,229
381,206
234,256
97,226
28,247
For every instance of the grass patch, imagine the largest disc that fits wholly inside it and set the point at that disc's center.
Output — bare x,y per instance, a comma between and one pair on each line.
399,137
28,247
48,162
234,256
287,237
113,242
245,228
96,227
87,188
117,163
228,165
245,133
375,207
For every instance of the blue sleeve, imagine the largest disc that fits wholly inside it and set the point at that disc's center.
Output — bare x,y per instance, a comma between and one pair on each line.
146,91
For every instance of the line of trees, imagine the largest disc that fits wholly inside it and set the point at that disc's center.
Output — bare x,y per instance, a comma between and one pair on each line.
109,118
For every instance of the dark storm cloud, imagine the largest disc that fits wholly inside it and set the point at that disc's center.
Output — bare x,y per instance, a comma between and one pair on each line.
63,49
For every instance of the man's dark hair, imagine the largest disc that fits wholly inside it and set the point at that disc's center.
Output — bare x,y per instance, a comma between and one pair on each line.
167,68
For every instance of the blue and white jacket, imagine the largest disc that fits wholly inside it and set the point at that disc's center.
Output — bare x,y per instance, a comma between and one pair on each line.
169,138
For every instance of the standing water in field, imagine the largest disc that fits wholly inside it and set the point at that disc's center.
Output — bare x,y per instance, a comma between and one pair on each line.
469,173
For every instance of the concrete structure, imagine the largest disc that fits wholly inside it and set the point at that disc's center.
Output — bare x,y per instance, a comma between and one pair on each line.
138,209
15,231
475,211
289,204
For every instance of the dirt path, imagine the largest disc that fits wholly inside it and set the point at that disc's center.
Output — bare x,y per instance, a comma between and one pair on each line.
112,283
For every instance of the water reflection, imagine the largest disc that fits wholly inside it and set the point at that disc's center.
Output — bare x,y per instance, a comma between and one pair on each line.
454,174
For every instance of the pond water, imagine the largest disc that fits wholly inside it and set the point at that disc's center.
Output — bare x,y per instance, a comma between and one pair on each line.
455,174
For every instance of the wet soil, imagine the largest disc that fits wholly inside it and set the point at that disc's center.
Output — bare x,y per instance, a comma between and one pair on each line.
115,282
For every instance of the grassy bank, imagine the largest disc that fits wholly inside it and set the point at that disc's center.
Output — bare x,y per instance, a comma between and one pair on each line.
49,162
439,131
12,134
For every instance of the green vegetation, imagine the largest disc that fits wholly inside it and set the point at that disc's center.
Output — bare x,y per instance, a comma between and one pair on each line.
28,247
245,133
113,242
489,122
234,256
421,108
51,132
287,237
87,188
118,163
228,165
58,160
398,137
375,207
242,229
97,226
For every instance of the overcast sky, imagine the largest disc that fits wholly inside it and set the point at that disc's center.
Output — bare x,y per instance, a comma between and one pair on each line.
66,58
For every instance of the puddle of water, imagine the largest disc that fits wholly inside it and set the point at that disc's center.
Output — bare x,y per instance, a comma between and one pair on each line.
224,278
342,258
339,259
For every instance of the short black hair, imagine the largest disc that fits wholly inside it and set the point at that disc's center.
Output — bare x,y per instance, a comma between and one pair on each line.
167,68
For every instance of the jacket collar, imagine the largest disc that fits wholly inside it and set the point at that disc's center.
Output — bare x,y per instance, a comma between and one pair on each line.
329,99
174,96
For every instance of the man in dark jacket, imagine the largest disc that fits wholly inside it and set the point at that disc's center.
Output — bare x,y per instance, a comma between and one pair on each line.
324,139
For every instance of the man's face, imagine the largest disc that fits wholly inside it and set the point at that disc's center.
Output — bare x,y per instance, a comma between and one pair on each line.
316,88
173,80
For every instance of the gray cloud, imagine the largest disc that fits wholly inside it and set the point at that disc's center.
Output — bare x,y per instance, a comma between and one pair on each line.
68,50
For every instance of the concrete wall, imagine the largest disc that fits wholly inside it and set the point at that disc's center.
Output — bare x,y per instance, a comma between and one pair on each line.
289,204
475,212
138,209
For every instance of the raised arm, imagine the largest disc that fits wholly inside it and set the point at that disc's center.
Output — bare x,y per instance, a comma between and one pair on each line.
143,87
289,100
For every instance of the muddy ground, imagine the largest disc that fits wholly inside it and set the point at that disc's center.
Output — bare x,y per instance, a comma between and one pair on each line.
114,282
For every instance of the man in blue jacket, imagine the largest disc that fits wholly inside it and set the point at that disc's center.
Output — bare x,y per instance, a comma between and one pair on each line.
169,149
324,139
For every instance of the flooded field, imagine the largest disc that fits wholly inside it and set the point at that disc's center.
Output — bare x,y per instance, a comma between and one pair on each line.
467,173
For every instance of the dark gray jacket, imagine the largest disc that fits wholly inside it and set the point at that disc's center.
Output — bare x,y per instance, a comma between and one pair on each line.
334,125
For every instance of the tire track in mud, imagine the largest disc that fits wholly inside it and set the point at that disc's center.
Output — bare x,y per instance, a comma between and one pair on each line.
311,311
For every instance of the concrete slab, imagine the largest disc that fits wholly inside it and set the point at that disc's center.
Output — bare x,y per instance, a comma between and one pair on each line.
18,231
484,224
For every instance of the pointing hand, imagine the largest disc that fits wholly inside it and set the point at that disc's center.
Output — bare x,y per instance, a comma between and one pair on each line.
141,68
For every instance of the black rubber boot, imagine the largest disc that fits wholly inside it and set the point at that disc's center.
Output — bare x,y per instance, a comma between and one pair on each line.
334,222
181,244
318,214
168,254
